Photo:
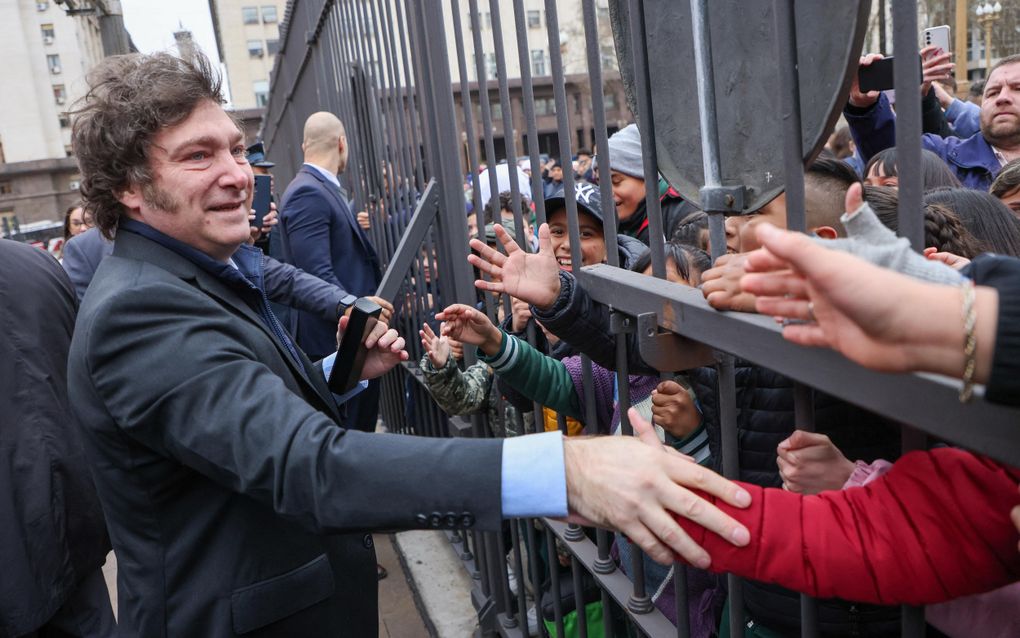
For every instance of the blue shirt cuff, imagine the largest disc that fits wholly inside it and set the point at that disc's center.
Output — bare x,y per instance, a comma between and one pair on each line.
534,476
327,367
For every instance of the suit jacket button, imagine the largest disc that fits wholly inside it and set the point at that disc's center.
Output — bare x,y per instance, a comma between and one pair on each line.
467,519
422,520
451,520
436,520
368,542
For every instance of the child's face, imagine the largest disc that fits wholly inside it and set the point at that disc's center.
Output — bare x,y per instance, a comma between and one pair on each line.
593,241
673,274
774,213
628,193
877,177
472,224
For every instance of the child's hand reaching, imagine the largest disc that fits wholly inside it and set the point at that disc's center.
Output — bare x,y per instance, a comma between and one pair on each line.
466,324
437,347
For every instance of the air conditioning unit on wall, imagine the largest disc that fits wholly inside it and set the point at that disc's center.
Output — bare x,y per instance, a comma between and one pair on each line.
47,39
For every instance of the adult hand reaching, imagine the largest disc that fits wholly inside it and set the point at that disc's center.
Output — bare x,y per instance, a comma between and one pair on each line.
384,316
811,463
721,284
635,485
936,66
534,278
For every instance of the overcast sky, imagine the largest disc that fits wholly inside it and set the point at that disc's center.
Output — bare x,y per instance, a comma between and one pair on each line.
152,23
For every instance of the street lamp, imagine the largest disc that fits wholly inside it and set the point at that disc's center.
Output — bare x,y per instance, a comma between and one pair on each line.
987,15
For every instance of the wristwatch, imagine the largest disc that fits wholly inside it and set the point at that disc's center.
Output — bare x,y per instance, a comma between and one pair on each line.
346,302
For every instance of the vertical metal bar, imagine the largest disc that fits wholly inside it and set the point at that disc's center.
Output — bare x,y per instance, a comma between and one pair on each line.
408,102
554,577
528,94
581,617
482,80
594,55
646,127
908,123
563,129
467,106
509,139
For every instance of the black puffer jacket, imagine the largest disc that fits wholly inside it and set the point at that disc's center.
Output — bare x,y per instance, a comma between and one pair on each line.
629,250
765,416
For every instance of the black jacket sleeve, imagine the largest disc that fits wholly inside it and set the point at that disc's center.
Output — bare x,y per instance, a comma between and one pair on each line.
1003,274
933,120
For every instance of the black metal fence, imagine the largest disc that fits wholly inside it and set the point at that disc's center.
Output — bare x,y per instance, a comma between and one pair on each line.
385,68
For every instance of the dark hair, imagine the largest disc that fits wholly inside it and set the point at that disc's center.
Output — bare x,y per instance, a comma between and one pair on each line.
688,230
506,202
67,218
987,219
1007,181
829,178
943,228
130,99
584,151
690,261
934,172
840,141
977,88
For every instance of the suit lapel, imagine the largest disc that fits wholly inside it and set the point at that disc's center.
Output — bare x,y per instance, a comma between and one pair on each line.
345,212
136,247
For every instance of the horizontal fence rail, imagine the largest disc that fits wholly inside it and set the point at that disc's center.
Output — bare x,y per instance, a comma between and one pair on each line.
432,90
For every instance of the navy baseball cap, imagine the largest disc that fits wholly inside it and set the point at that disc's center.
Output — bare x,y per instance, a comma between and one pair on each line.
587,197
257,156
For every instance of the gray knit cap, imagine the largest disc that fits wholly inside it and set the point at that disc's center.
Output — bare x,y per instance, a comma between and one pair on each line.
625,152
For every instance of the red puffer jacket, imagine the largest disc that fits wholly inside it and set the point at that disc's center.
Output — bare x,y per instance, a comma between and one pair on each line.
934,528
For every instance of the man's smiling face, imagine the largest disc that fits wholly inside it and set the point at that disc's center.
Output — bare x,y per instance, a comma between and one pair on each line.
202,184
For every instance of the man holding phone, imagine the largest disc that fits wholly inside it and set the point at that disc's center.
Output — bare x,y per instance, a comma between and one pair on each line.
237,503
975,160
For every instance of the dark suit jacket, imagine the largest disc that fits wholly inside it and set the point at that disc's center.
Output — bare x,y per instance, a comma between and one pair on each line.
322,237
285,284
52,532
230,489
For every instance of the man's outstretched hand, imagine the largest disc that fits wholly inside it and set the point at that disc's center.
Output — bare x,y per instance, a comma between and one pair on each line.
534,278
635,485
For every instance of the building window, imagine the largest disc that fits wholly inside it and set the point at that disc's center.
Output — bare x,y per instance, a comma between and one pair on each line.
496,111
255,48
261,88
69,150
6,188
488,20
53,61
250,15
42,5
537,62
609,102
8,223
490,66
48,34
59,94
65,121
268,14
534,19
272,47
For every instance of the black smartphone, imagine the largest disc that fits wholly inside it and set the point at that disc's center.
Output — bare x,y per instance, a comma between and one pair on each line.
878,76
263,195
350,355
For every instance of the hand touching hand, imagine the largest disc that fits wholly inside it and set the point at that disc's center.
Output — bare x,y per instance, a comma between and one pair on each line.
437,347
533,278
810,463
721,284
384,316
636,485
674,410
466,324
949,259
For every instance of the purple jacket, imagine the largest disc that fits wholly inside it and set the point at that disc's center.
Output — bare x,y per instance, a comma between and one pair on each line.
971,160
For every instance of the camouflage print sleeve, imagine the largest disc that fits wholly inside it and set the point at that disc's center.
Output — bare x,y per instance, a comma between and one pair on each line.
458,392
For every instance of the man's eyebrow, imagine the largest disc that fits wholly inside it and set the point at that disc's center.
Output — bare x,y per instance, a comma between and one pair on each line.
204,140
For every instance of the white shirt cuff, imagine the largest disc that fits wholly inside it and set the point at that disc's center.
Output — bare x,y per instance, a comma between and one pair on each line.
327,367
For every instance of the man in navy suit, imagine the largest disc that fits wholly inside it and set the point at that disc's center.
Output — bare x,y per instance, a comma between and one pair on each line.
321,236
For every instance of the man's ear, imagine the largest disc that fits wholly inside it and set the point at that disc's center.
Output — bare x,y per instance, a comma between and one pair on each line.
131,197
825,232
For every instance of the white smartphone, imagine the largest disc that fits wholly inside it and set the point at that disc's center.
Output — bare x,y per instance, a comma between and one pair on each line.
938,37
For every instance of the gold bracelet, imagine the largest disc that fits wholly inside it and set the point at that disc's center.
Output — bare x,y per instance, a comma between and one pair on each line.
969,341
